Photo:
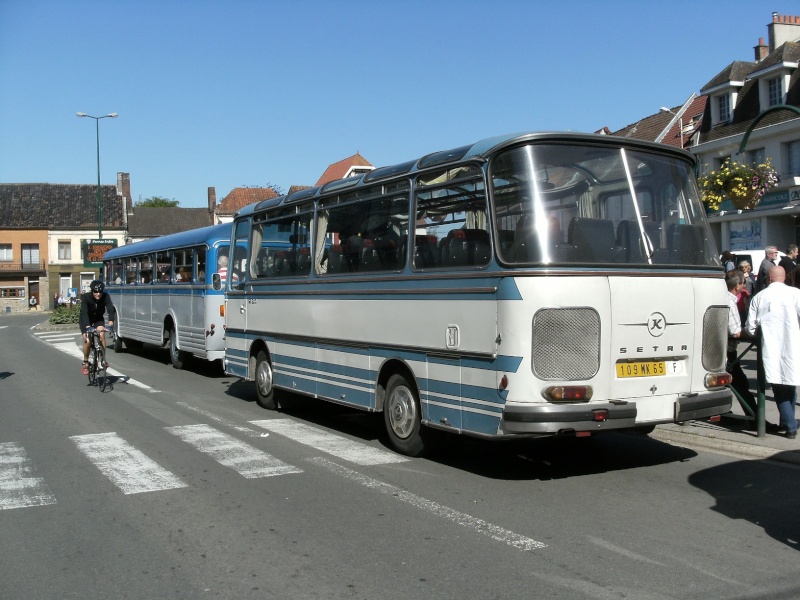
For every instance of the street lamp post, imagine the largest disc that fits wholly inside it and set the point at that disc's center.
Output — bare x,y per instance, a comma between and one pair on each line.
680,121
99,199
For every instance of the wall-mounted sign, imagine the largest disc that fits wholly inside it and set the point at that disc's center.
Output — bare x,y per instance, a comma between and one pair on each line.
94,250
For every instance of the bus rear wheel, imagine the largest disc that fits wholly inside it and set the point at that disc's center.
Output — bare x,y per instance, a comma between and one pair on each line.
265,387
402,416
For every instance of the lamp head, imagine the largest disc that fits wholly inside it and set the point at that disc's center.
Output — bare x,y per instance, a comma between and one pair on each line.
112,115
81,115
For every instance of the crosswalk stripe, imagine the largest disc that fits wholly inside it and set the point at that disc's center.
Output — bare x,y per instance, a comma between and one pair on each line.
248,461
128,468
16,489
346,449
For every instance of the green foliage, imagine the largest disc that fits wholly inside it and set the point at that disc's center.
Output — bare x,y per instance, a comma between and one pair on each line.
158,202
66,315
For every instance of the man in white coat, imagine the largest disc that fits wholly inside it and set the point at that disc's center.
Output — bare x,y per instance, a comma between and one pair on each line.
776,310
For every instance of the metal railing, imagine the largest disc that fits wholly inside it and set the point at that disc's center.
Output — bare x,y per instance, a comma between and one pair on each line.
7,266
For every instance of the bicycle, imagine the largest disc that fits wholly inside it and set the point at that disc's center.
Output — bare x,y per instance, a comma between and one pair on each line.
97,358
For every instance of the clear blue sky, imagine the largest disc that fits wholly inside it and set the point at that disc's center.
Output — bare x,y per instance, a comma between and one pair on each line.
246,92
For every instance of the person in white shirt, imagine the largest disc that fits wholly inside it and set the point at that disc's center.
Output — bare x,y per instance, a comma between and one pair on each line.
776,310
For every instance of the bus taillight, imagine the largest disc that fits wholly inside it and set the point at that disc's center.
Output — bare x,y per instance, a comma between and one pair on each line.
222,310
568,393
600,414
716,380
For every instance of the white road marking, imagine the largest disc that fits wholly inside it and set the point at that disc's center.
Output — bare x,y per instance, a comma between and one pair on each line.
73,350
356,452
17,490
128,468
243,458
464,520
209,415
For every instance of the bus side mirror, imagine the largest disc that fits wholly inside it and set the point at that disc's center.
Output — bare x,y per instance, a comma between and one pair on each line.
216,281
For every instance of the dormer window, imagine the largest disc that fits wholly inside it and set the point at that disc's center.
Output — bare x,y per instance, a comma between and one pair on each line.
724,107
775,91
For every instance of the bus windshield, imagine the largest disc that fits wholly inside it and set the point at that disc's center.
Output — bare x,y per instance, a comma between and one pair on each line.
570,204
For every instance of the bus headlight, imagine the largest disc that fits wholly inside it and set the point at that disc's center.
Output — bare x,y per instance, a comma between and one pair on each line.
717,380
568,393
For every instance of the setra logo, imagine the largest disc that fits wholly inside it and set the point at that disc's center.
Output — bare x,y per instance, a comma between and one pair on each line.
656,324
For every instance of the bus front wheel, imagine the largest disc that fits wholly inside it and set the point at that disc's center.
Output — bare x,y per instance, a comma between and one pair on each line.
401,414
177,357
264,382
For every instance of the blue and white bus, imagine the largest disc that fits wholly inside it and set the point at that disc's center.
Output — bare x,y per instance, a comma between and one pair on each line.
529,285
163,293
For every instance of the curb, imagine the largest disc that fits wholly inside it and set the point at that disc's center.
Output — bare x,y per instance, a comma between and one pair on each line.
715,444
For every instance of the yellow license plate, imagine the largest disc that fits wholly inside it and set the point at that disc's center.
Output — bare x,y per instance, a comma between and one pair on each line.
641,369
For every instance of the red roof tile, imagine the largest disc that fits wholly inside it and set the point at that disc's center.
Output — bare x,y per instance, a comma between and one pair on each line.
339,170
240,197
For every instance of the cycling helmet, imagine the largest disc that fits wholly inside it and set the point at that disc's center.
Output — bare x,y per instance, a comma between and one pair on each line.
97,286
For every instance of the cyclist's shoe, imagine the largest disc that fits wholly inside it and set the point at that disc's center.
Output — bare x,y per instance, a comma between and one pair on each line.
85,368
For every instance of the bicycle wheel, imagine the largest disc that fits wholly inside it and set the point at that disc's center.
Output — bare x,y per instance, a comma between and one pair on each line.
102,377
92,367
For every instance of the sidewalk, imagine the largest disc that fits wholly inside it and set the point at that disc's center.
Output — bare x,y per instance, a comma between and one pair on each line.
733,434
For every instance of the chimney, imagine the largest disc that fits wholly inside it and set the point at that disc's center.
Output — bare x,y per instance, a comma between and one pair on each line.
762,50
212,203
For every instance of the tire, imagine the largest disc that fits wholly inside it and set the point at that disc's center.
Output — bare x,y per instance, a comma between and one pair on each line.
102,377
177,357
92,368
402,417
265,382
118,344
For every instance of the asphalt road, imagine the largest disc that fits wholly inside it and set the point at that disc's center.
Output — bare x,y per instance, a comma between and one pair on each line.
175,484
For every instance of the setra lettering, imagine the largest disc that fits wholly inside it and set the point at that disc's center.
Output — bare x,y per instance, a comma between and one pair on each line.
640,349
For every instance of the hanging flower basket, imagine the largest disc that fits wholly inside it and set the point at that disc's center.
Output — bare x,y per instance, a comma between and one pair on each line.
742,197
745,186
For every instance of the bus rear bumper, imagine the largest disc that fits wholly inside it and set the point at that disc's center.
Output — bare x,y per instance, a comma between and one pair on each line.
565,418
554,419
700,406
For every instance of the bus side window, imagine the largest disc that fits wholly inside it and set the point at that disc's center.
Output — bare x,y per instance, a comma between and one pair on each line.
200,260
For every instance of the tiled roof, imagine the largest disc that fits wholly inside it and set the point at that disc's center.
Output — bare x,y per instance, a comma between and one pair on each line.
297,188
736,71
240,197
652,127
748,105
338,170
146,221
58,206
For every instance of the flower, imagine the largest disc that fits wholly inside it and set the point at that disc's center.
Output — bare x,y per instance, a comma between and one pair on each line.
744,185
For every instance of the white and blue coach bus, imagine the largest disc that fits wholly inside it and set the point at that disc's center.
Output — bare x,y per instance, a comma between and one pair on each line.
162,291
529,285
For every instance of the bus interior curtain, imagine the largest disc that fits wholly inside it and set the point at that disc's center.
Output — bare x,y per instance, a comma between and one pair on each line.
319,241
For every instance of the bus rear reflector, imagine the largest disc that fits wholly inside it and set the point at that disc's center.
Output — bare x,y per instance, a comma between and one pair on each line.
568,393
600,414
221,310
716,380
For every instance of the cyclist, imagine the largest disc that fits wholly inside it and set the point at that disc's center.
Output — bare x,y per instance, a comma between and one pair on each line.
94,304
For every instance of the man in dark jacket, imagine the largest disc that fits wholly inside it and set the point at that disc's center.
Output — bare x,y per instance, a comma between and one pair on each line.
94,304
789,262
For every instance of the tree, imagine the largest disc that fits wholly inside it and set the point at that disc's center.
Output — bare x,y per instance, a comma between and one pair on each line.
158,202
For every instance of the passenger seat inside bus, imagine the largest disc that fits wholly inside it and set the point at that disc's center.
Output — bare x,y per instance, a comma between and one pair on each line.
629,239
594,240
466,247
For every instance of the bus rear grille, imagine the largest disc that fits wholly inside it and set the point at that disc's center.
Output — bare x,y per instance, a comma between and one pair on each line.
566,343
715,338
